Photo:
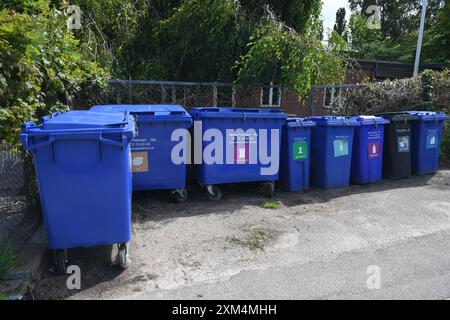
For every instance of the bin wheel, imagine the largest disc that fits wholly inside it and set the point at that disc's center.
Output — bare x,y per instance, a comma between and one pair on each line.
122,256
269,188
60,260
180,195
213,193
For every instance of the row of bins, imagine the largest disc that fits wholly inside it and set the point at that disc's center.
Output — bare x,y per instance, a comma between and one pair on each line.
88,162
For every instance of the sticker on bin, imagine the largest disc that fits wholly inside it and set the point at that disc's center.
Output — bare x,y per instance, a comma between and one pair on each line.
241,153
432,141
374,149
139,161
403,144
340,148
300,150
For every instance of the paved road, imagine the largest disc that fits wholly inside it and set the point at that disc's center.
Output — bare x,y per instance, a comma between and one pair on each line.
315,245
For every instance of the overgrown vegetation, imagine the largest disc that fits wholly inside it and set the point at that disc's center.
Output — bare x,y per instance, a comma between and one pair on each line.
429,91
7,259
43,66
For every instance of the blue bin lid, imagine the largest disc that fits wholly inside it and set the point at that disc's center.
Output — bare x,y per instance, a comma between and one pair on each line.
429,115
237,113
335,121
371,120
82,121
148,112
299,122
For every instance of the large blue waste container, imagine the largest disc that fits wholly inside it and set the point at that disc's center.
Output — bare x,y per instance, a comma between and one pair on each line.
426,140
295,154
236,145
154,167
82,162
367,155
331,151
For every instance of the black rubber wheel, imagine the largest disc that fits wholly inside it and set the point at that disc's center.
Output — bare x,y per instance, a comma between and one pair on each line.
60,260
269,189
179,196
213,193
122,256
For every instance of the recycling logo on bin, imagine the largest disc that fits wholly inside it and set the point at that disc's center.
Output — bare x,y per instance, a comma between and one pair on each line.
300,150
340,147
403,144
241,153
374,149
431,141
139,161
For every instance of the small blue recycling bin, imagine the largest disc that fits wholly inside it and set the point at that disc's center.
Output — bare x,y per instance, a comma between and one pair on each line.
426,140
82,162
367,155
331,151
295,154
236,145
159,152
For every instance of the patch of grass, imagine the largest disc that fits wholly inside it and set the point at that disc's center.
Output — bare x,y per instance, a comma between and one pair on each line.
270,204
7,259
256,241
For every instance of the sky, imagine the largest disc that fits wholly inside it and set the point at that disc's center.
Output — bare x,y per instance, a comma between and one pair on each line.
329,13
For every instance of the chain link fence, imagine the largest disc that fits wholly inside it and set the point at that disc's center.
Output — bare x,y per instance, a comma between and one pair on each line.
12,182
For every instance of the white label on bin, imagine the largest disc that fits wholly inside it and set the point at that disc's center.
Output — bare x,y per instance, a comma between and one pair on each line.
403,144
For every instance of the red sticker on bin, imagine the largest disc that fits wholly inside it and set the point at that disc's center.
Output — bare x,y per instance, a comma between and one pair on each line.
374,149
241,153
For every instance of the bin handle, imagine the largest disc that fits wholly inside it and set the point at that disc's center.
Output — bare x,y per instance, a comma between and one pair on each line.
52,137
28,146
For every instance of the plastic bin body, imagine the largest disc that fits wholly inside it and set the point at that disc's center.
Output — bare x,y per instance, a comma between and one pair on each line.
151,150
367,156
331,151
296,154
426,141
397,145
243,126
82,162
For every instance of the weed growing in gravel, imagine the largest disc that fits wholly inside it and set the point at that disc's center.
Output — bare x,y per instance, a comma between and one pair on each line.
256,241
270,204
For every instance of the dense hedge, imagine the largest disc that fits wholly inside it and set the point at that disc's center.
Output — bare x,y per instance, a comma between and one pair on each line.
429,91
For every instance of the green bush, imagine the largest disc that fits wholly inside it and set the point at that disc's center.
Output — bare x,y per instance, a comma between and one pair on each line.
42,68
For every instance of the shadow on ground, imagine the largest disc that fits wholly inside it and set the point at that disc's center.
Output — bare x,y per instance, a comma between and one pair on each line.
156,205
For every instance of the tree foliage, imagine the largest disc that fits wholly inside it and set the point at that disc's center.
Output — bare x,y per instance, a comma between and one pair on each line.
340,25
397,38
42,67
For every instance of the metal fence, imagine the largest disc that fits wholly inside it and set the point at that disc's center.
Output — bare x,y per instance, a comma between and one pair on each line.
188,94
13,179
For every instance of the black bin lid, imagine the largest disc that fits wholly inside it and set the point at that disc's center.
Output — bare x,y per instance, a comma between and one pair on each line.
398,116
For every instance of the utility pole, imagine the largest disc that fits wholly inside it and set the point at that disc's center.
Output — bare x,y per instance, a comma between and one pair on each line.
420,38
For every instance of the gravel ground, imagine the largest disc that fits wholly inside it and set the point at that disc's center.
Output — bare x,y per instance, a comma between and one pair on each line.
237,248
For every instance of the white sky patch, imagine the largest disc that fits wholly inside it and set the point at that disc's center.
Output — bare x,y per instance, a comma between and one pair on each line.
329,14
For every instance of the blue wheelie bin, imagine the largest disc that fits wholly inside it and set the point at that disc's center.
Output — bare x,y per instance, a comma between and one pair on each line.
367,155
82,162
426,140
295,154
151,151
331,151
236,145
